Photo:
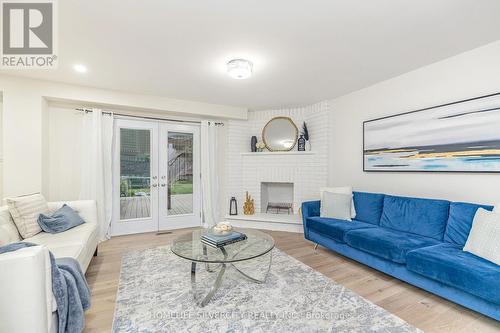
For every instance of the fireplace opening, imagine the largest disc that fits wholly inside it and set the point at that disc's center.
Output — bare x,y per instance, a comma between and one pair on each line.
276,198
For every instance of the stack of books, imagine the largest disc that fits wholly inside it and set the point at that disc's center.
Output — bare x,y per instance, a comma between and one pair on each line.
222,240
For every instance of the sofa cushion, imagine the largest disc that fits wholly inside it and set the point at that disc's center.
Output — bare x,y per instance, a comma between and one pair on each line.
389,244
334,228
460,221
368,206
67,251
448,264
424,217
74,243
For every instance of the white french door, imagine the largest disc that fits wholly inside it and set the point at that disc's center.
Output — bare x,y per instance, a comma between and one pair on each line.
135,171
156,176
179,182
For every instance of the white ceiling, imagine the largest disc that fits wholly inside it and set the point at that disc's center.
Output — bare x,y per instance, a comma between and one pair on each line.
303,51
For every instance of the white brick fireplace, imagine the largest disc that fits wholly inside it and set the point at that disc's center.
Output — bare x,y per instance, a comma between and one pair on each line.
276,176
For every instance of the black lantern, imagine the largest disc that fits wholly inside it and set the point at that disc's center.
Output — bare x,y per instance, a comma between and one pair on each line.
233,206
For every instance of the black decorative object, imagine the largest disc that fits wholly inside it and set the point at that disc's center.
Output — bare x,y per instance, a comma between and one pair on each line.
233,206
305,131
302,144
253,144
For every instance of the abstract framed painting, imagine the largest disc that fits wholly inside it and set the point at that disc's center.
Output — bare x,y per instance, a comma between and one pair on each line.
462,136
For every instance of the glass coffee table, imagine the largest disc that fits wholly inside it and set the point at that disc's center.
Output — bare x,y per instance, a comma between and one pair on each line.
190,247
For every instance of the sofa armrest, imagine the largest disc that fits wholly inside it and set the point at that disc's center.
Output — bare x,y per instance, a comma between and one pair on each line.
309,209
86,208
26,289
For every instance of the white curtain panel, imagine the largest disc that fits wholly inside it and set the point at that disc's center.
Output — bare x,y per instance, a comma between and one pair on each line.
96,166
210,173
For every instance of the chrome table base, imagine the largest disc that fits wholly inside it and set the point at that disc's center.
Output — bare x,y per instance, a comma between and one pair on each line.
204,300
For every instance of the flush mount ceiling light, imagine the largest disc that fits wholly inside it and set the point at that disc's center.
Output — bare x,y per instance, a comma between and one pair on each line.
239,69
80,68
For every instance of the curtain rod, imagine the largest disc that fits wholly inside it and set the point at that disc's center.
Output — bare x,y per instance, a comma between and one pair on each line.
150,118
90,110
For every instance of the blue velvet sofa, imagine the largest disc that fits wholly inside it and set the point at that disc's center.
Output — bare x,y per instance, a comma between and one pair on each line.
419,241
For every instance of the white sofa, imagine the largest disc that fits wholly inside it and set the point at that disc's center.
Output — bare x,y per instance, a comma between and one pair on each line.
26,300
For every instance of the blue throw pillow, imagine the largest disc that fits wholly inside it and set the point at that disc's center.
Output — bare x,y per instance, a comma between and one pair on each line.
61,220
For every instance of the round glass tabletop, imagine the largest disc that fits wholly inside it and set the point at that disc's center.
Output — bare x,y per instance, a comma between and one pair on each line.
190,247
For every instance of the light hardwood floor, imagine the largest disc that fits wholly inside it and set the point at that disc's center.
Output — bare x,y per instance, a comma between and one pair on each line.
420,308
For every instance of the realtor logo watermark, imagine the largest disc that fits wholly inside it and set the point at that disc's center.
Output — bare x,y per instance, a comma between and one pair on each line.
28,34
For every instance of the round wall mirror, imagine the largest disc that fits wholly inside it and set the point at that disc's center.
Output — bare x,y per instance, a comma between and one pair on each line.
280,134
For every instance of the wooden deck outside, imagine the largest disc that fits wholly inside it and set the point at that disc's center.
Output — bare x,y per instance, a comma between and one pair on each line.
181,204
135,207
139,207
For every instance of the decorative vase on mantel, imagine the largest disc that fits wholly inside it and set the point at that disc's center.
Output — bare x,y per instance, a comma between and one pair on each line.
301,146
253,144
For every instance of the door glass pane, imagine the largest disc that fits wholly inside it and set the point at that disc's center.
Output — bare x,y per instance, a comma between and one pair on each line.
135,170
180,173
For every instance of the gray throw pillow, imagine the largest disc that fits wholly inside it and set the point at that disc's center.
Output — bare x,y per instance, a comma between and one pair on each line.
61,220
336,206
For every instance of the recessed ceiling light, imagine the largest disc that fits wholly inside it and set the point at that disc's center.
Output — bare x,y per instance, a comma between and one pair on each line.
80,68
239,69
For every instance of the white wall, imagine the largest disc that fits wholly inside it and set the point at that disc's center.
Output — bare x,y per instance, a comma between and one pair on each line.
1,152
64,143
470,74
25,114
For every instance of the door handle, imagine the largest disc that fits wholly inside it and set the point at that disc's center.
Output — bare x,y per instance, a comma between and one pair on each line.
154,185
163,185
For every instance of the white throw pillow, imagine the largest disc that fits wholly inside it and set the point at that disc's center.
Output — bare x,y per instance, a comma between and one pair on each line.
336,206
25,211
484,236
340,190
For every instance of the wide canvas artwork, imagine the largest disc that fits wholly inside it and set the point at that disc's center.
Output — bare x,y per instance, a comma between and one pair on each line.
457,137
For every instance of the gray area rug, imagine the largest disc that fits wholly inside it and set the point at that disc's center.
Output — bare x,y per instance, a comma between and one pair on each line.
155,295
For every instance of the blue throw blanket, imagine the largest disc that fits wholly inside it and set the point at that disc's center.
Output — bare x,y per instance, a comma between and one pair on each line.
70,290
